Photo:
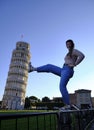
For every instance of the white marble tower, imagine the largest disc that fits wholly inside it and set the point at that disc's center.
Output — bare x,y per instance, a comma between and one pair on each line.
15,89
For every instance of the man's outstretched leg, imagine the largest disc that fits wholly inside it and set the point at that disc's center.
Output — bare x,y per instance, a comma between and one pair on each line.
49,68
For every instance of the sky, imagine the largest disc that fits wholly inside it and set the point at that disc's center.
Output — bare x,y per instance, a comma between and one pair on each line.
46,25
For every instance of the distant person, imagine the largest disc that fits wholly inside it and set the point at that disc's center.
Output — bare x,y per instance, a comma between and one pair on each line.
72,59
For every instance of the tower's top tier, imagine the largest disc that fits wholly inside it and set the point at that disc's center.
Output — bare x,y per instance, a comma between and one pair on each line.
23,46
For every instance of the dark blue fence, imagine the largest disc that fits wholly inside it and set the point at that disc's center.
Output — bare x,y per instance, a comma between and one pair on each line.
69,120
29,121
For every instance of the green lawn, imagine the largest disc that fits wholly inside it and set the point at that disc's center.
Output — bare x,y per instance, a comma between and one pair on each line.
47,122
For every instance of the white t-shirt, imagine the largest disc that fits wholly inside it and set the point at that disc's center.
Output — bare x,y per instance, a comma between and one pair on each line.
75,59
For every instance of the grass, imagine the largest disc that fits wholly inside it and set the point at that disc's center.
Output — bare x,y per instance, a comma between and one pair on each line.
20,111
41,122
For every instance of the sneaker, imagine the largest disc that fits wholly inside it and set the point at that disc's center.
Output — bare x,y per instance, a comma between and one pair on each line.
31,68
66,107
75,107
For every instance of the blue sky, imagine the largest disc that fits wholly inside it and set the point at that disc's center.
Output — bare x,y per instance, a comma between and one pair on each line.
46,25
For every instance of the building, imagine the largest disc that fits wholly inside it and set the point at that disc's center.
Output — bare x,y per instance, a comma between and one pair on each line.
83,98
15,89
92,101
57,99
72,98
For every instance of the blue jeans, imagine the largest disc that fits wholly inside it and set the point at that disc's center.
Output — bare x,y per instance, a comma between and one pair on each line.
65,73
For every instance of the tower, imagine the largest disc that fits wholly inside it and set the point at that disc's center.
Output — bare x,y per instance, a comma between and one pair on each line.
15,89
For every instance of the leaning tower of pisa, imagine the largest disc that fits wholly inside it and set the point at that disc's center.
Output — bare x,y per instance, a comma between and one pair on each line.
15,89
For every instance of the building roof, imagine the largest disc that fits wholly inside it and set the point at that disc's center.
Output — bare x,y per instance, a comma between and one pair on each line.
82,91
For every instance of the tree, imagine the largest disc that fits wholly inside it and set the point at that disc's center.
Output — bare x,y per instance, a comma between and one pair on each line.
34,99
27,103
0,104
45,99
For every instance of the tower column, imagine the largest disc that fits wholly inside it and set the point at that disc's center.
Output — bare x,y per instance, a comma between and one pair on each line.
15,89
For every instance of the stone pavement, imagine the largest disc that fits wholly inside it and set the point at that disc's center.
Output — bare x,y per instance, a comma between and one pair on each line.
91,126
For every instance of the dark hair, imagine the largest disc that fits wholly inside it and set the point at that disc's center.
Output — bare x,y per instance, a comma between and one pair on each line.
71,49
72,43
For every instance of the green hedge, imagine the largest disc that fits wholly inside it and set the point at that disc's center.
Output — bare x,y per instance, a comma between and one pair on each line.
49,105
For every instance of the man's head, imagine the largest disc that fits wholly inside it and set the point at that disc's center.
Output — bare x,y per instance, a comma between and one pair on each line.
70,44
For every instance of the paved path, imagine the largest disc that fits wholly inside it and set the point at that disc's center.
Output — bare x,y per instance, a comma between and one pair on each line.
92,127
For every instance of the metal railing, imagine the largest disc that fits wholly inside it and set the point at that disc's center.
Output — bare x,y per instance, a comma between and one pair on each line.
68,120
29,121
75,120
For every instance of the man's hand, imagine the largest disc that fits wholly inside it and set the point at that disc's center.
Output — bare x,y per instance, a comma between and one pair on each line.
71,65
